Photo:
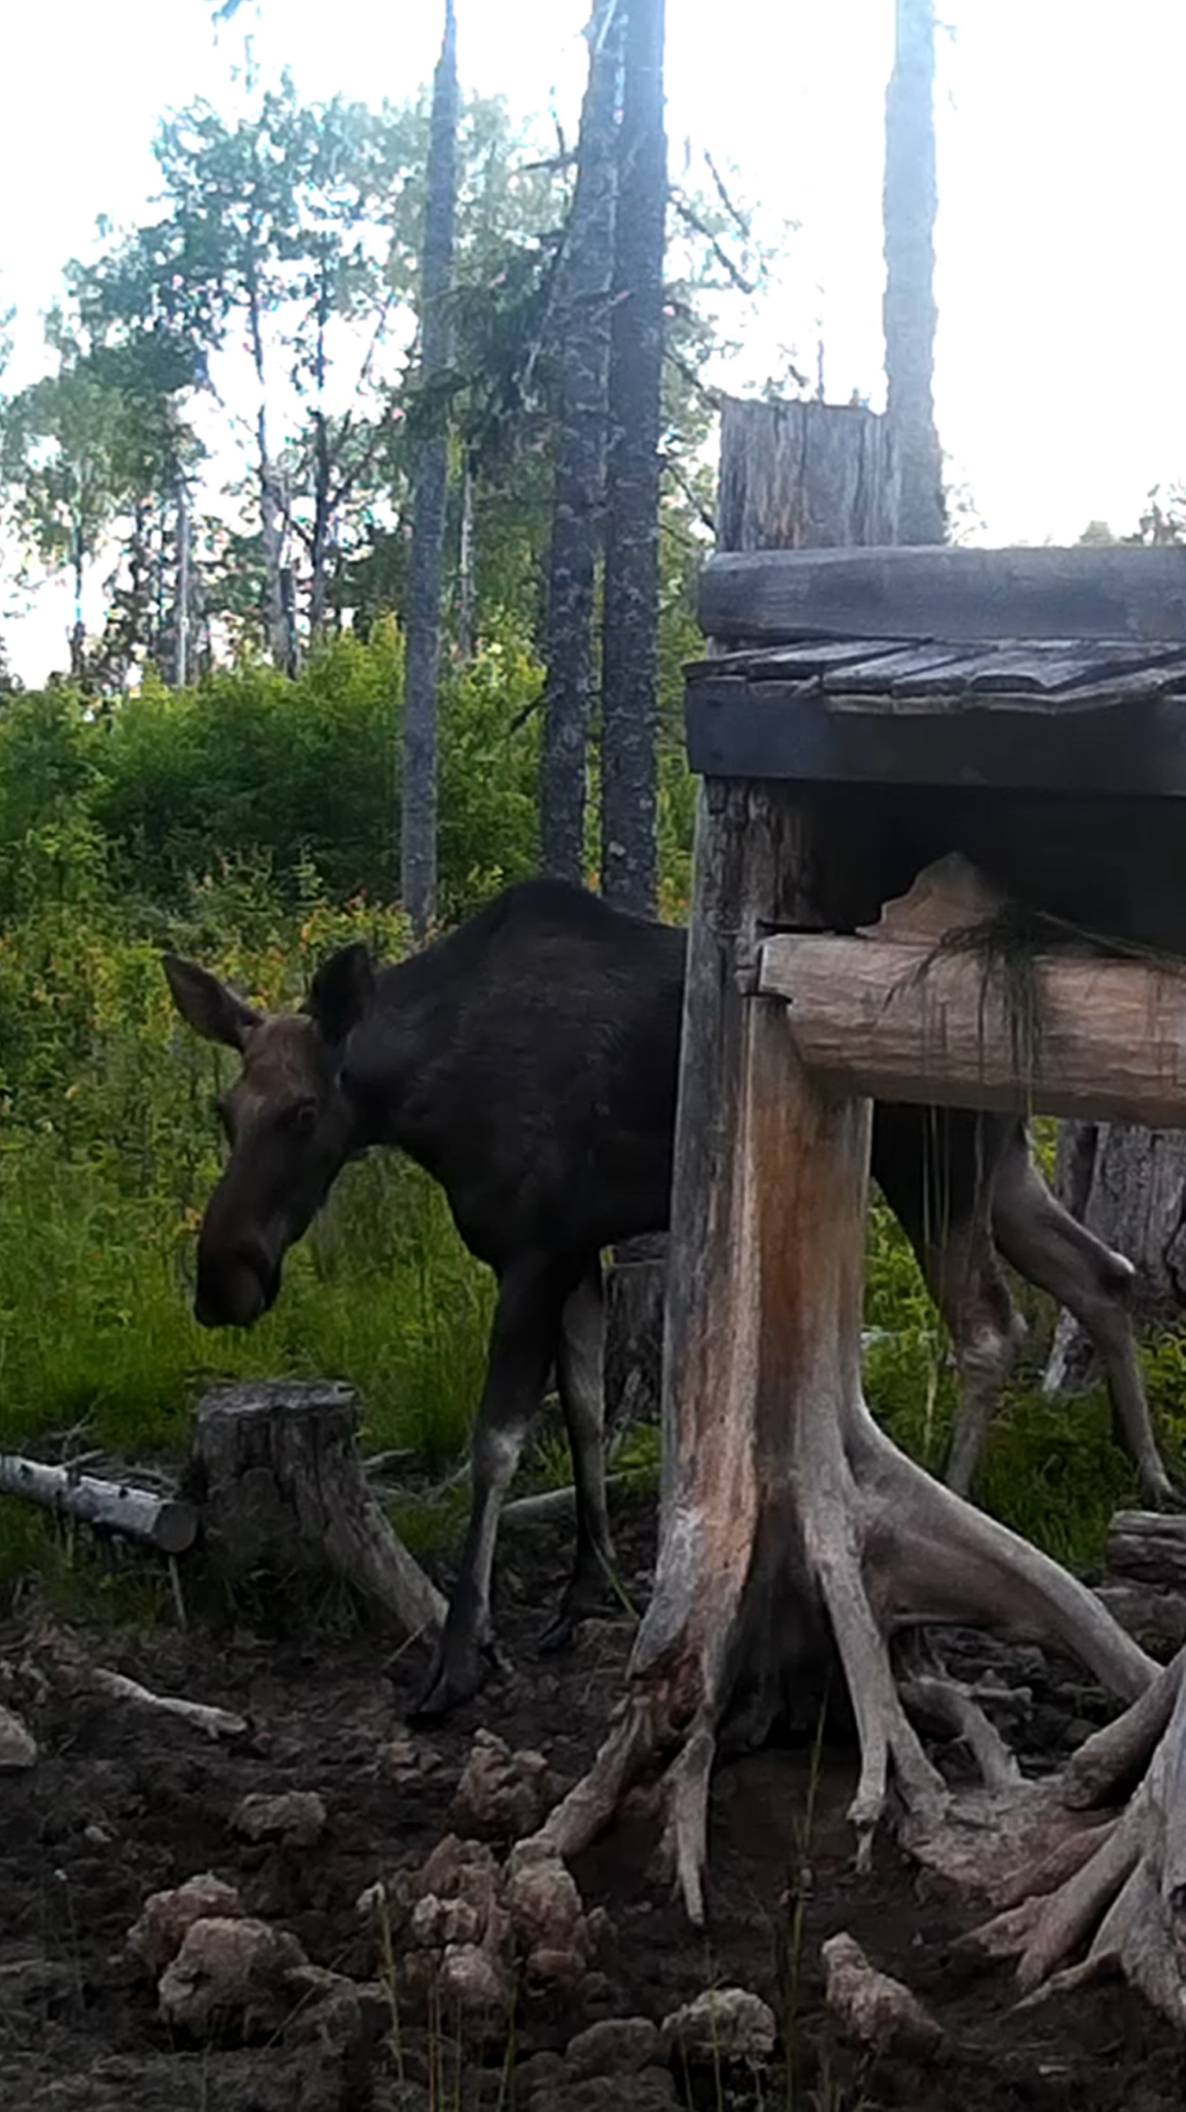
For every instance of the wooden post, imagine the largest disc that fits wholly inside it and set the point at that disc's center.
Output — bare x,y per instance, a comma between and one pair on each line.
805,476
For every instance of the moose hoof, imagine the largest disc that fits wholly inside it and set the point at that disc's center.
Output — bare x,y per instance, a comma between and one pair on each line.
585,1598
458,1674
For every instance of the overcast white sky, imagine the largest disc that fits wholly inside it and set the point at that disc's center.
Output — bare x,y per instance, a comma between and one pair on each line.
1061,355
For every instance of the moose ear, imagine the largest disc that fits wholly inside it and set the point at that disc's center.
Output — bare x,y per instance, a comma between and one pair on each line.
341,992
207,1005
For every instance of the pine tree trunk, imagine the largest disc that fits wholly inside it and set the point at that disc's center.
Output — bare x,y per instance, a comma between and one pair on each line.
580,454
419,819
629,702
466,579
181,620
909,311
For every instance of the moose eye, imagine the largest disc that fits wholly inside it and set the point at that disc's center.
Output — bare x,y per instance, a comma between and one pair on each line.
301,1119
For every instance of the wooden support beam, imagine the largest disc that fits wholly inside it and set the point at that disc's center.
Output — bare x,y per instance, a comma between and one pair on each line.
882,1018
960,595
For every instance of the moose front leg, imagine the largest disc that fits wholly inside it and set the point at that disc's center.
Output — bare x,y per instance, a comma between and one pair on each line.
523,1344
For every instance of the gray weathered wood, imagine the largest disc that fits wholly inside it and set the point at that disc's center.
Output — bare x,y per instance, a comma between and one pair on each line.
773,730
634,1293
1148,1545
281,1484
887,1020
961,596
166,1523
804,476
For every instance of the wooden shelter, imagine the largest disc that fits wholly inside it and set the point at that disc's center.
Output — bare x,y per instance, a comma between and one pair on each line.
896,745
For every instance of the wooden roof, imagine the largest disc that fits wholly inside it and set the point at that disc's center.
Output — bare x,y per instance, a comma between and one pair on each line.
1013,674
962,674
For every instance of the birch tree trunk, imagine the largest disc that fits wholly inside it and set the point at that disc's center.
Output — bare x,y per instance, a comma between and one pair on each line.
909,308
629,668
418,833
580,454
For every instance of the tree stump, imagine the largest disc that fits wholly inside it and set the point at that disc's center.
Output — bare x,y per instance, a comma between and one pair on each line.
794,1537
277,1473
634,1332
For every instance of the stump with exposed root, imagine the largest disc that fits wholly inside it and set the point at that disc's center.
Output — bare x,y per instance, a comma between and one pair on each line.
276,1470
796,1539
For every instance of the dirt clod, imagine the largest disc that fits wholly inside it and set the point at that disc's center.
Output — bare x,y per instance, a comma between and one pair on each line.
231,1974
871,2007
167,1918
295,1818
724,2023
503,1795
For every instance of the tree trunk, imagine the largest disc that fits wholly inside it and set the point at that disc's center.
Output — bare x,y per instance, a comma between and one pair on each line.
630,655
276,1472
466,578
181,620
790,1526
431,476
1128,1186
634,1293
909,309
584,302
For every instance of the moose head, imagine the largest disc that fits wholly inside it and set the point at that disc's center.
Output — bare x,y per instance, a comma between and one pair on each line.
288,1123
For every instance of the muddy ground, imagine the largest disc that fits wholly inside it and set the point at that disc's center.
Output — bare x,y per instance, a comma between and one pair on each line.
123,1804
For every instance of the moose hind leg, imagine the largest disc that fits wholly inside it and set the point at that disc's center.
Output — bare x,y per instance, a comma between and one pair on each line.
937,1168
1061,1256
987,1332
579,1372
523,1344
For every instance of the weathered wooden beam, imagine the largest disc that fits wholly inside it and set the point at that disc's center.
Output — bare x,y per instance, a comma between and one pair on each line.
957,595
164,1522
778,730
879,1018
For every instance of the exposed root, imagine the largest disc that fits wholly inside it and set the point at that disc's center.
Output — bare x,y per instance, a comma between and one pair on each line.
685,1837
593,1801
1108,1762
1119,1902
947,1702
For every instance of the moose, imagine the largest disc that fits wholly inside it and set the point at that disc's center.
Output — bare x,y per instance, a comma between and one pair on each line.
528,1060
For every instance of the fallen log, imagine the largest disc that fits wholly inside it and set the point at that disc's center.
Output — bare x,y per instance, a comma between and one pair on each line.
158,1520
1148,1546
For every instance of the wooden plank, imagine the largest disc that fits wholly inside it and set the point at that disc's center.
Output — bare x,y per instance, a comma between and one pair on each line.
882,676
1018,669
776,731
875,1019
964,596
807,656
936,700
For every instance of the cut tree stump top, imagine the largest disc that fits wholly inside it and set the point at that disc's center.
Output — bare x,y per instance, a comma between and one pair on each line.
1006,670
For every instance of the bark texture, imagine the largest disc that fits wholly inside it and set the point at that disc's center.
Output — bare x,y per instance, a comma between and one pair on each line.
584,320
418,834
280,1483
909,308
805,476
792,1532
629,668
